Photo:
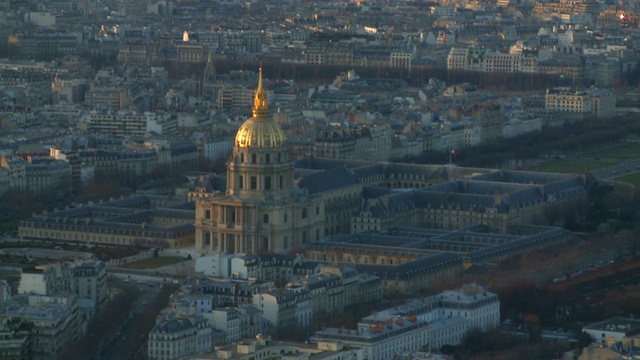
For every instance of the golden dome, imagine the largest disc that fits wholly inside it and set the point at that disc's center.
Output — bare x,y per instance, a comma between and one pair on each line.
260,131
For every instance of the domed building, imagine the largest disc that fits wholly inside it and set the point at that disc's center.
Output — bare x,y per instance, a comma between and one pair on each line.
260,210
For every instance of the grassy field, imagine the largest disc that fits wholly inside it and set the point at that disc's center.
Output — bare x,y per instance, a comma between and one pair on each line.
633,179
569,166
9,225
153,263
626,152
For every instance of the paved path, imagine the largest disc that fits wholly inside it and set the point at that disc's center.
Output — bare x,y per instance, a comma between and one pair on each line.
46,253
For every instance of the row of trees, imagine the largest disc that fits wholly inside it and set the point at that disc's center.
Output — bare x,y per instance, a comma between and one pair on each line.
105,324
108,322
568,139
418,74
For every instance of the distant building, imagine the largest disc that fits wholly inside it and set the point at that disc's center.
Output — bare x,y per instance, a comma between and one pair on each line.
15,169
612,330
46,45
589,102
188,53
433,322
161,226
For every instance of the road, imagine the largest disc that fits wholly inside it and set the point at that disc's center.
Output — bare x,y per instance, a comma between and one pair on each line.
46,253
125,340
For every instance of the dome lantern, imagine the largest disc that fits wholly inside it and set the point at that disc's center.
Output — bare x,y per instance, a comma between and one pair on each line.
260,131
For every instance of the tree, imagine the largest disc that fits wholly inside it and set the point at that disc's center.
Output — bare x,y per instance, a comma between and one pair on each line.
584,340
20,204
532,324
105,324
102,190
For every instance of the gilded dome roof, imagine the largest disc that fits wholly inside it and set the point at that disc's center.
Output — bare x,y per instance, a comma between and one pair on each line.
260,131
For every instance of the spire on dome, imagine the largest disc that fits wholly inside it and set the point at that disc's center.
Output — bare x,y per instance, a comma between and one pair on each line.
260,108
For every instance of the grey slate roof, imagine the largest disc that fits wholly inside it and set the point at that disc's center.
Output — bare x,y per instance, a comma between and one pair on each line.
328,180
425,265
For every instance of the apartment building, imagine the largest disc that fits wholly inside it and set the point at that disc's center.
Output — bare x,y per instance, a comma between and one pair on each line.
227,320
86,279
188,53
46,45
50,279
117,124
179,337
568,100
432,322
14,344
90,282
234,98
289,308
55,322
47,175
484,60
15,176
263,348
4,180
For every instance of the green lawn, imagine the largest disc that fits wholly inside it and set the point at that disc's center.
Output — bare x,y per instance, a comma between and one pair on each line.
153,263
633,179
9,225
569,166
629,151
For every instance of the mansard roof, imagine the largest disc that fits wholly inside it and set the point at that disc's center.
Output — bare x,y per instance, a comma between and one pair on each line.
425,265
327,180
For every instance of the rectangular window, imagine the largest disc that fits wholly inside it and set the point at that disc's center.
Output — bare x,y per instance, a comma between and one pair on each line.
304,213
267,182
280,181
254,183
285,217
207,214
240,182
265,218
317,210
